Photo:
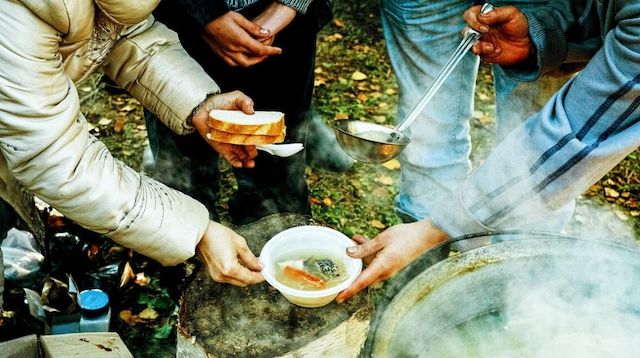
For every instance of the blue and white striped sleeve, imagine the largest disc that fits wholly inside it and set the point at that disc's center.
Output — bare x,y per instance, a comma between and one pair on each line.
584,130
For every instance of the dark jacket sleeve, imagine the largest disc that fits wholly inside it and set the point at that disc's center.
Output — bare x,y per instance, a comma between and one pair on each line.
204,11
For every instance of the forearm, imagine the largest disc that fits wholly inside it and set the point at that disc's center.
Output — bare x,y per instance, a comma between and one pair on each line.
151,64
583,132
300,6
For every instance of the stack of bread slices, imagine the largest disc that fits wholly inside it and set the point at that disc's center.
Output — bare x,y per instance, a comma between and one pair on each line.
236,127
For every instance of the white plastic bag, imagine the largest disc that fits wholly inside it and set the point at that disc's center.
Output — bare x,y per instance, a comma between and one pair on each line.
21,257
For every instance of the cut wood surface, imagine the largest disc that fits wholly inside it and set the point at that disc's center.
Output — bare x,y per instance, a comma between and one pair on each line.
95,345
257,321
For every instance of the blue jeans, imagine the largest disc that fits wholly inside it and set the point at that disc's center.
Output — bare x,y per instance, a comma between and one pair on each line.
421,35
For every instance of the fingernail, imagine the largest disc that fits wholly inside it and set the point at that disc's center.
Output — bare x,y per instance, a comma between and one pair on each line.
352,250
264,32
484,29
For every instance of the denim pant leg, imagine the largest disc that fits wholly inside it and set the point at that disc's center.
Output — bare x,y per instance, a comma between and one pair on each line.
421,35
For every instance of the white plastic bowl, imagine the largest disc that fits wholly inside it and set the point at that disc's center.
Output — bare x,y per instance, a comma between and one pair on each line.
308,238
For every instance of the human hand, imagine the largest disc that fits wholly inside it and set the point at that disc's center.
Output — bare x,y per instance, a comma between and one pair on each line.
237,155
227,256
275,18
390,252
237,40
505,35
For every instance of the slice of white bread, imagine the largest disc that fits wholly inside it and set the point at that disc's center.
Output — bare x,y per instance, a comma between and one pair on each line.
244,139
265,123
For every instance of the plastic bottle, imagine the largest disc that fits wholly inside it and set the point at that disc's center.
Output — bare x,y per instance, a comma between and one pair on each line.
96,312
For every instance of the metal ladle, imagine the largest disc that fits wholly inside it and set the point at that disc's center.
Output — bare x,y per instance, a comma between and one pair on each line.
375,143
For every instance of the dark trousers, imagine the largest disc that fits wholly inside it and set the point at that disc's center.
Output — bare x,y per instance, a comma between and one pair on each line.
282,83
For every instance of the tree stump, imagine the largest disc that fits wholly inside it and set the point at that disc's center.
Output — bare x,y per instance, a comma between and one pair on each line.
219,320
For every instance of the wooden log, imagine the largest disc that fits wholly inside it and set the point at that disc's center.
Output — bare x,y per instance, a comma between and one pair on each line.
257,321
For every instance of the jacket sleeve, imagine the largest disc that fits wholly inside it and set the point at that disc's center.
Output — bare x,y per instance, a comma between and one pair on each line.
203,11
149,62
589,126
45,140
560,45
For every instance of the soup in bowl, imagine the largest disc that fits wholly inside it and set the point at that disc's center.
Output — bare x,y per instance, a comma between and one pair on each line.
309,264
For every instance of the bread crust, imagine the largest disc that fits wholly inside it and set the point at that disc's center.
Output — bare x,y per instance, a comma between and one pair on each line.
268,129
244,139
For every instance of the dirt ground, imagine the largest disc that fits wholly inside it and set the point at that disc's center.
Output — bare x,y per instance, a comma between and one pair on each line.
353,80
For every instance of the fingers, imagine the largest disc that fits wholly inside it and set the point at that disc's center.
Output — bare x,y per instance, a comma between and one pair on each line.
248,258
237,275
368,277
499,15
471,18
251,27
360,239
366,248
243,102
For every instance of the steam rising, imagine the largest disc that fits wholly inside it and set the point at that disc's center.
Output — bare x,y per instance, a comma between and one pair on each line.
542,298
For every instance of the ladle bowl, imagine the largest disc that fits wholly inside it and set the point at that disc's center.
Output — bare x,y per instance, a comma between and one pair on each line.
369,142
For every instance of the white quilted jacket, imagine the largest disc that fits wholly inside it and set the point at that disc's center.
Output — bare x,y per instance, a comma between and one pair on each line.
46,48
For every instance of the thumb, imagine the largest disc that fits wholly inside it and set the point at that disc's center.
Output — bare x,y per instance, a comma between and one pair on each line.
245,104
252,28
499,15
369,248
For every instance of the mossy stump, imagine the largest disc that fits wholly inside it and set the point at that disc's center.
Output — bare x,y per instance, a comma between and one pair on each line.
219,320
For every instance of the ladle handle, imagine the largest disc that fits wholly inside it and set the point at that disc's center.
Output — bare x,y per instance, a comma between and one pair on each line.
470,38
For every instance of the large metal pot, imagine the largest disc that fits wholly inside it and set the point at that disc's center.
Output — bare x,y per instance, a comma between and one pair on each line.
529,296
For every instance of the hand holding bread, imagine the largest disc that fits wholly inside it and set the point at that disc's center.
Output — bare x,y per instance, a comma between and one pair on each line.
237,154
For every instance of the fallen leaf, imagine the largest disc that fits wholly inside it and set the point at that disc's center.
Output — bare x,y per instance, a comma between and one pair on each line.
393,164
317,70
634,213
342,115
385,180
362,97
390,91
104,122
127,275
375,87
383,105
130,318
142,279
327,201
376,94
148,314
118,126
319,81
626,194
128,108
377,224
358,76
315,201
611,193
343,81
622,216
338,22
333,38
380,119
